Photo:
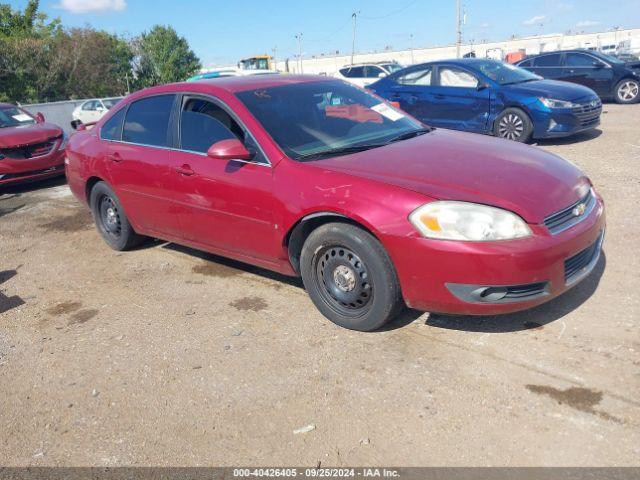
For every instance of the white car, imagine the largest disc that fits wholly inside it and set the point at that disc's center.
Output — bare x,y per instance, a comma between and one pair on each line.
92,110
364,74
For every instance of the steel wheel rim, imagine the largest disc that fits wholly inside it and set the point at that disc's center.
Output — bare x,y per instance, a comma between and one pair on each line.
110,220
511,126
628,91
343,280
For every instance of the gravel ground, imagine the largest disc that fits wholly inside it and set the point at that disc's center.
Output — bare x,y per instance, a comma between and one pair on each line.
169,356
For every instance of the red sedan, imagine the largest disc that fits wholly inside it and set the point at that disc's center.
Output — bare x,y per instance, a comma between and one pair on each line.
315,177
30,149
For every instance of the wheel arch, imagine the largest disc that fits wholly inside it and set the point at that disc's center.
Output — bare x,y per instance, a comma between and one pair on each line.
301,229
90,183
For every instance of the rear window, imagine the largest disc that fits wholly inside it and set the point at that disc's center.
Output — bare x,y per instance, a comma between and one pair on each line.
147,121
547,61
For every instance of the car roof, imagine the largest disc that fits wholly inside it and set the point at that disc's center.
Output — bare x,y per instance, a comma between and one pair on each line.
239,84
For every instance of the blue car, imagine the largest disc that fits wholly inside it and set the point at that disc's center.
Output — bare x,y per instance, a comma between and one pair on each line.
491,97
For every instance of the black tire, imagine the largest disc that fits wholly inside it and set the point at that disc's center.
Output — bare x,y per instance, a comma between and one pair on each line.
349,277
513,124
627,91
111,221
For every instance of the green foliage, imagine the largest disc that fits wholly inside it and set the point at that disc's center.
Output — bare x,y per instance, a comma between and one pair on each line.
163,57
42,61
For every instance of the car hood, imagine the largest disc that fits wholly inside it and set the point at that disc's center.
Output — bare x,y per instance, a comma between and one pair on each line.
552,89
28,134
448,165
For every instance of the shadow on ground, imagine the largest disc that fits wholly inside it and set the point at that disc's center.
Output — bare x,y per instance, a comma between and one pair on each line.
577,138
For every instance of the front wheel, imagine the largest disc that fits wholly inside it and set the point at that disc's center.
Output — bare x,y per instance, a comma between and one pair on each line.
349,277
513,124
627,91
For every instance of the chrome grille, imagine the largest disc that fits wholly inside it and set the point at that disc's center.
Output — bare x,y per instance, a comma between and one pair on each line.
27,152
566,218
588,113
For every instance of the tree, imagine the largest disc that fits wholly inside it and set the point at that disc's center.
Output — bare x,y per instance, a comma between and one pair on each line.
162,56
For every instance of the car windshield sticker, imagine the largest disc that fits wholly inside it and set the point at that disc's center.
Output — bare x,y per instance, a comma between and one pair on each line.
388,112
21,117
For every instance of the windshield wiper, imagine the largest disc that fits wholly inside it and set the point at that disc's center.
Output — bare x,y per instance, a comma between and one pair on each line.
411,134
335,152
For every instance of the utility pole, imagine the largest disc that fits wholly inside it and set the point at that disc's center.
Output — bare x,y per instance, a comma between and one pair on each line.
411,47
459,28
354,15
299,38
274,61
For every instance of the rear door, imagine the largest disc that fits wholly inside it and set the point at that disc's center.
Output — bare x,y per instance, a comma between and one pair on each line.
412,90
140,164
224,204
589,71
461,101
548,65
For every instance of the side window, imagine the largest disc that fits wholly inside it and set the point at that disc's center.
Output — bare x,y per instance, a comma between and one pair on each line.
455,77
421,77
147,121
552,60
372,71
353,72
90,105
112,129
580,60
526,64
204,123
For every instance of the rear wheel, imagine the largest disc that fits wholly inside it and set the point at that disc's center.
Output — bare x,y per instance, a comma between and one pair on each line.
349,277
111,221
513,124
627,91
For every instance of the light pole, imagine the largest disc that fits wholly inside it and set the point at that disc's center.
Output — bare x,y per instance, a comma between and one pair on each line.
411,47
299,38
459,29
274,50
354,15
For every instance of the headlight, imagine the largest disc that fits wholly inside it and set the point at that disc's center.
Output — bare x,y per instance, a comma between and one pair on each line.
551,103
63,142
467,221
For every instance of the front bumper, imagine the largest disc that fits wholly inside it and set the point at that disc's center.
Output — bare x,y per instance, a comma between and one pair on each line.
555,123
444,276
13,171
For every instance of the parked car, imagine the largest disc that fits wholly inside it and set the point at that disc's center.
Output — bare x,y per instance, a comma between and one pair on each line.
30,148
609,77
93,110
363,74
312,176
491,97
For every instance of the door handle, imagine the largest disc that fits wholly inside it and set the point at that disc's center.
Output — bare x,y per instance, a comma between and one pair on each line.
115,157
185,170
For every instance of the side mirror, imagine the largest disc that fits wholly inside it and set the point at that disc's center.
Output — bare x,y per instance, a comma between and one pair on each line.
39,117
77,125
482,86
230,149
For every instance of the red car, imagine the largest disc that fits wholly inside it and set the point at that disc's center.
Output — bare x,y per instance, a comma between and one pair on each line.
30,149
315,177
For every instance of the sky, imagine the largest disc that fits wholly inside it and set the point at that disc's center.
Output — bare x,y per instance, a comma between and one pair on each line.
224,31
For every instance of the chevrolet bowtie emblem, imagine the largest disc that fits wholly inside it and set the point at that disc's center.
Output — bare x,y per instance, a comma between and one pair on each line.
579,210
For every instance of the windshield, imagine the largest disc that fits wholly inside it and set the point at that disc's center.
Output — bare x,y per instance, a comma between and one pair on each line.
317,118
608,58
110,102
391,67
14,117
505,73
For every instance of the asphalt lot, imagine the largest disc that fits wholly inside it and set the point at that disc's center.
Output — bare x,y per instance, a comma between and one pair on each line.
169,356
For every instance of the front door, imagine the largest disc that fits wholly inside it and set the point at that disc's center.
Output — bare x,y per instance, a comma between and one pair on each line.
223,204
588,71
461,102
